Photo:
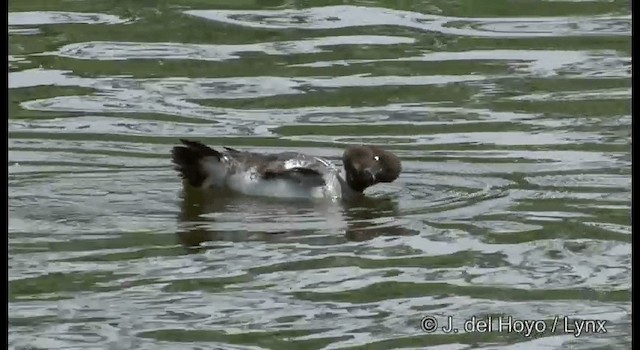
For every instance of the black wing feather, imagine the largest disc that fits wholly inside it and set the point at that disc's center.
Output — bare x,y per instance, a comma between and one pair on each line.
233,150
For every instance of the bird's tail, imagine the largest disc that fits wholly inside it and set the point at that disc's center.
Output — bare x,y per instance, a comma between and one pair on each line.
190,160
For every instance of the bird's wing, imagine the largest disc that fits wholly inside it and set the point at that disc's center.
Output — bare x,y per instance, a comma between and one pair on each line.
306,170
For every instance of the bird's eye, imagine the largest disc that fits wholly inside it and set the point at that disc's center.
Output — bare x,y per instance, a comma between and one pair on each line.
376,158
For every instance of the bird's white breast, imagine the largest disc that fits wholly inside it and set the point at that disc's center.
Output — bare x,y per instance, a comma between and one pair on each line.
250,183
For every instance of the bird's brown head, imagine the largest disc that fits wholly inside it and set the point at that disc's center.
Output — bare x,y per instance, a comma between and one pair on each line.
366,166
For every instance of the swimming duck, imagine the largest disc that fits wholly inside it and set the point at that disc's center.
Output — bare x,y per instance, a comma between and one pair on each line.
286,174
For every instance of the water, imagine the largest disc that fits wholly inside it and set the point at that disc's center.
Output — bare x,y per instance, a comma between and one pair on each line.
512,121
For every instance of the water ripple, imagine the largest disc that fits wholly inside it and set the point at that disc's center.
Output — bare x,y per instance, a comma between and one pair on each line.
32,18
179,51
333,17
547,63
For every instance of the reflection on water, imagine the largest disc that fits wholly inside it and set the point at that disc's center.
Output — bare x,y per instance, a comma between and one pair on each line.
222,216
512,123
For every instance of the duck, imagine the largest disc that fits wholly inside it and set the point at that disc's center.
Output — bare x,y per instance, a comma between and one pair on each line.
285,174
